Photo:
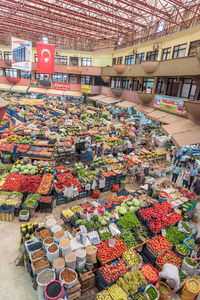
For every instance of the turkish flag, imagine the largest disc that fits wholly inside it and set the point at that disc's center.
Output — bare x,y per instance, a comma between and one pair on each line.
45,54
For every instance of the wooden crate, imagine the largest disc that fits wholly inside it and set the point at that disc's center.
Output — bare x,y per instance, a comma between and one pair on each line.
87,281
74,292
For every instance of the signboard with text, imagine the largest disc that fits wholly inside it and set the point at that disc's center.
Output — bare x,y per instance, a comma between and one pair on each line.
61,86
86,89
33,83
171,104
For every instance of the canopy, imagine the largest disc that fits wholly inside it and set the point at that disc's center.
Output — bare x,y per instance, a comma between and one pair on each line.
5,87
190,137
125,104
157,115
3,103
144,109
98,97
184,125
171,119
54,92
72,93
108,100
19,88
36,90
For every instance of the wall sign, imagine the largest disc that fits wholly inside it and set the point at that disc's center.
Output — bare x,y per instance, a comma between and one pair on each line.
86,89
61,86
170,104
21,54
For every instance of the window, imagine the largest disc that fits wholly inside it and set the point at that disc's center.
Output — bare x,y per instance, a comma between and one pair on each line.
152,55
147,84
11,73
160,86
60,60
1,55
1,72
118,60
139,58
193,47
135,85
59,77
160,26
25,74
115,82
125,83
85,79
86,62
73,79
73,61
188,88
42,76
179,51
172,87
129,60
7,55
35,58
166,53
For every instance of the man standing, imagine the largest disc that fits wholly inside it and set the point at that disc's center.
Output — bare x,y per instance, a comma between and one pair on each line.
194,172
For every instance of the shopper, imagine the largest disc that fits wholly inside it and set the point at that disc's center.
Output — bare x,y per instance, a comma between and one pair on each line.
176,172
196,186
139,172
33,135
170,275
100,150
186,177
128,147
194,172
115,150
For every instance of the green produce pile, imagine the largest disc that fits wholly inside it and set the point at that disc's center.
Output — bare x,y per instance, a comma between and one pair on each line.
189,262
4,175
191,243
117,293
31,200
25,140
104,295
182,249
131,258
140,296
193,285
5,167
24,169
90,225
131,281
128,239
185,226
141,233
174,236
104,232
152,294
163,289
182,275
129,206
105,219
128,221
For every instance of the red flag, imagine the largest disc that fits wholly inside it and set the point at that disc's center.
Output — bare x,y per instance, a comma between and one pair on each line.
45,54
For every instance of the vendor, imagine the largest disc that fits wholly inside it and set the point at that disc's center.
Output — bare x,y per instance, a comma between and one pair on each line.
194,254
170,275
100,150
139,171
196,186
128,147
115,150
33,135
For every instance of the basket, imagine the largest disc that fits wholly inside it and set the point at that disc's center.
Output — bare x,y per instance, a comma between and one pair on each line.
169,290
151,281
145,291
185,243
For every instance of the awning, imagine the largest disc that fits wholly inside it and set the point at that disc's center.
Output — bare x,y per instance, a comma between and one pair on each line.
190,137
171,119
95,98
54,92
3,103
157,115
36,90
72,93
144,109
125,104
19,88
182,126
108,100
5,87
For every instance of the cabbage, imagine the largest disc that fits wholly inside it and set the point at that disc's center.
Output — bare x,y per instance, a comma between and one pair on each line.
129,203
103,222
122,210
32,172
14,170
136,202
117,209
106,218
133,209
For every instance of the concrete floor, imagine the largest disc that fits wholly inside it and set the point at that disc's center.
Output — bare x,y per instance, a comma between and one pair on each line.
15,281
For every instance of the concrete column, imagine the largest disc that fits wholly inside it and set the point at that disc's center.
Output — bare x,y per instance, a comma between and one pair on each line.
180,87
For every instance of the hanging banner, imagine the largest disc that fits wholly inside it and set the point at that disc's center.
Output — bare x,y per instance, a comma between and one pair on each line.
86,89
33,83
45,54
21,54
61,86
170,104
